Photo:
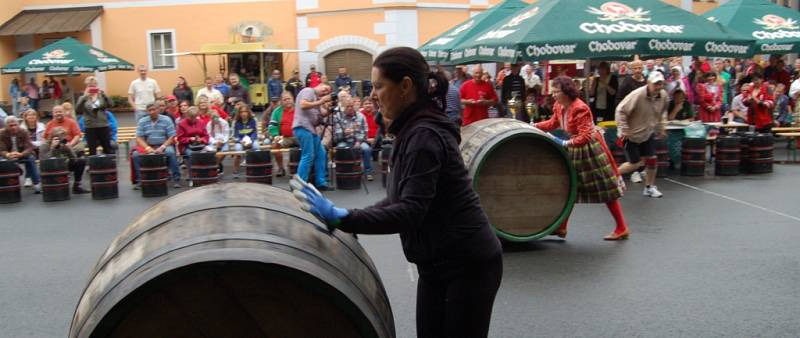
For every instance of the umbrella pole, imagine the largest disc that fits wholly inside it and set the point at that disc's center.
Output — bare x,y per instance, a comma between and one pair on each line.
261,66
205,69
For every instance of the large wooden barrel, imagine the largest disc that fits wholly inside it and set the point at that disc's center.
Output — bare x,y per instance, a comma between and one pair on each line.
693,156
10,187
232,260
103,175
348,168
55,179
526,182
258,168
760,153
154,175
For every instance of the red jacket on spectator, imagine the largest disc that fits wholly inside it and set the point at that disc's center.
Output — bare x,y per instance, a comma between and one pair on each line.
709,103
189,128
759,103
373,126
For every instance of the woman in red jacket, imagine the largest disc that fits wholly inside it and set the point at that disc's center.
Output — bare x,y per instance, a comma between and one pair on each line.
598,177
192,135
760,104
709,98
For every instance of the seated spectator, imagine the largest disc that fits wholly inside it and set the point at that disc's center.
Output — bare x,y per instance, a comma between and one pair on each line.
205,110
679,106
210,92
69,111
183,108
15,145
74,134
192,136
245,135
350,130
218,134
24,104
782,111
161,105
34,127
155,134
280,129
738,111
368,110
56,146
172,107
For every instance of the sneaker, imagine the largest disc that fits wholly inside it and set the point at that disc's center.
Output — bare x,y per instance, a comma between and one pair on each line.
235,175
652,191
177,185
636,177
37,189
136,186
369,177
191,184
325,188
28,182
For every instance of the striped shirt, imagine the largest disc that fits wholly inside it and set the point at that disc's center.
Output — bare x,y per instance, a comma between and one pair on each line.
453,101
155,134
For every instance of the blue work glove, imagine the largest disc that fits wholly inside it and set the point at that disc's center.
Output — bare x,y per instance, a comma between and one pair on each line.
559,140
311,200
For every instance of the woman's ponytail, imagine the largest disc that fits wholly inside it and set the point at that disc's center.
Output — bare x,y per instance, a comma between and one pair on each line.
437,89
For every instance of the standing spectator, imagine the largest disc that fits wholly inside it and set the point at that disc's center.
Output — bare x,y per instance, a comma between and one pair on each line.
67,93
142,92
112,126
182,91
237,92
74,135
732,70
501,76
709,98
531,79
724,80
650,66
45,91
676,81
210,91
350,130
314,78
459,77
221,86
54,147
344,82
24,104
679,107
274,88
92,106
759,103
294,85
633,81
306,119
57,91
245,134
603,90
15,93
641,117
280,129
32,91
155,134
192,136
782,111
477,96
738,111
513,87
452,108
15,145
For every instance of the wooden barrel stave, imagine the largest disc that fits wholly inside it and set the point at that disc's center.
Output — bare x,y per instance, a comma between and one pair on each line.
10,185
227,226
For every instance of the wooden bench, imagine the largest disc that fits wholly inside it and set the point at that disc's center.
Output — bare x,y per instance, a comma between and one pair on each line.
792,136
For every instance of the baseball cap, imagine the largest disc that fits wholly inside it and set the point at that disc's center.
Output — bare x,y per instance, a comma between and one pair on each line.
655,76
171,97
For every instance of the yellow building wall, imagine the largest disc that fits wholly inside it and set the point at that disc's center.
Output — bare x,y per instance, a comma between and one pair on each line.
125,35
435,22
359,23
697,7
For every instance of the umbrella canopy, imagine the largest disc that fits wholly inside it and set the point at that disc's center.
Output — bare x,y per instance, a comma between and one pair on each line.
579,29
66,56
775,28
438,48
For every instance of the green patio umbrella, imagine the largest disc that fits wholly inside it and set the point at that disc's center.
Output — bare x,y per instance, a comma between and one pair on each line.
66,56
438,48
775,28
580,29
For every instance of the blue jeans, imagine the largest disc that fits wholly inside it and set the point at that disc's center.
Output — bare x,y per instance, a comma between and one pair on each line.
172,162
366,155
311,152
30,168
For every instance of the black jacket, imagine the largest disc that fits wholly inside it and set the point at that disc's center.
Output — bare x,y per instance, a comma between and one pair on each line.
430,200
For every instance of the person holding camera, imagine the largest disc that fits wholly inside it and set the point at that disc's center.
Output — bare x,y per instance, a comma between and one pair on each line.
56,146
74,135
192,136
245,134
307,116
93,105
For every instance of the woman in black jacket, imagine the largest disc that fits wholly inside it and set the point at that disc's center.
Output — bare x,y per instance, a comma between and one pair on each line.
430,202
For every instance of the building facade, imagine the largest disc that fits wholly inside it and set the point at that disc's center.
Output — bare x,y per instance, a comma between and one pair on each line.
329,33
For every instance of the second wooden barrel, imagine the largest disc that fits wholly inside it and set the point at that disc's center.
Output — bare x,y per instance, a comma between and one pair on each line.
232,260
103,175
258,168
693,156
348,168
526,182
728,156
55,179
154,175
760,154
204,168
10,188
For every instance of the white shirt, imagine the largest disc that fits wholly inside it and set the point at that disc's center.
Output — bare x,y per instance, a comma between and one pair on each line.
218,135
532,80
213,94
144,92
795,88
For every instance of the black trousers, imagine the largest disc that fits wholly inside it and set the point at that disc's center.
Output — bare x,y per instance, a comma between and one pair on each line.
99,137
455,299
77,167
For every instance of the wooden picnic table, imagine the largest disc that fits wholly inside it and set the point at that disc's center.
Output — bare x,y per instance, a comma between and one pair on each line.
792,136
